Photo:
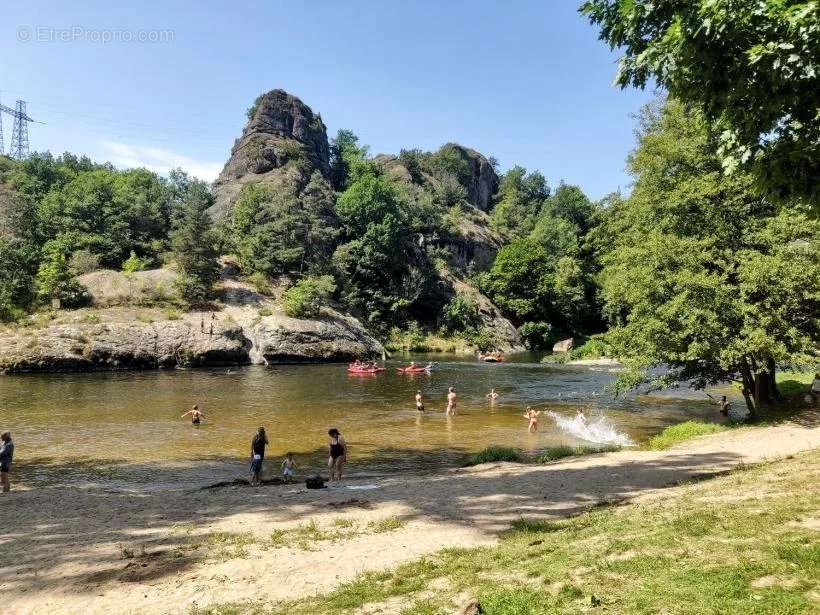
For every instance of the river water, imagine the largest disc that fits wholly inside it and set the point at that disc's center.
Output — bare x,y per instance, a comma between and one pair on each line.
123,429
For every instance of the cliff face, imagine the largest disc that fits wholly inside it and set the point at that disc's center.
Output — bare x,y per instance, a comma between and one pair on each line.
282,144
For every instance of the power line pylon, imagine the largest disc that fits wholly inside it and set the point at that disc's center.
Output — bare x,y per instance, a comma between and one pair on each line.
2,151
19,132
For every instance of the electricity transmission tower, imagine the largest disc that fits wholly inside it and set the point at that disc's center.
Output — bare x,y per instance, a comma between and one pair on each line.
19,132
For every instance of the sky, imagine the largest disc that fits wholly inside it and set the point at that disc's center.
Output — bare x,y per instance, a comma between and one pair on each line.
166,84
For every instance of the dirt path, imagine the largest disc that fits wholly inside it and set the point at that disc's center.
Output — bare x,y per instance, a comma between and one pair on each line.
91,551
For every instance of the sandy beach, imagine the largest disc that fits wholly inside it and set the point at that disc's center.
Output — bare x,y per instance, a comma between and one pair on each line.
89,550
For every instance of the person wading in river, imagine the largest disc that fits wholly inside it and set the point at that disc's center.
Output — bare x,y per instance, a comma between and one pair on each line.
532,416
260,440
419,402
451,402
6,455
196,416
338,454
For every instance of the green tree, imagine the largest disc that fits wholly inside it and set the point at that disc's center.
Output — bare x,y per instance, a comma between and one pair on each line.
705,276
520,198
276,232
306,298
193,242
55,281
346,157
751,67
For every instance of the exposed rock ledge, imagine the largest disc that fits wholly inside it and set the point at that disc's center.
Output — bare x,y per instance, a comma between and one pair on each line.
110,339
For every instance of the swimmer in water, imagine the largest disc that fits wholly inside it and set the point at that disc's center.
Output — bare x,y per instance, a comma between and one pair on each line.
451,402
196,416
532,416
581,417
492,395
419,402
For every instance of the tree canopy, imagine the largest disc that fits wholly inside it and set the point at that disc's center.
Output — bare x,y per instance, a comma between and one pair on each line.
751,67
704,275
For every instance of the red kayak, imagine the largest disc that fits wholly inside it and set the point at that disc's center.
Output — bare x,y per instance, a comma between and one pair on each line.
365,370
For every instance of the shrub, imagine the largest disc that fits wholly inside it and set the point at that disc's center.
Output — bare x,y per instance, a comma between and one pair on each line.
461,315
484,339
593,348
172,314
264,312
306,297
133,263
261,282
494,453
83,261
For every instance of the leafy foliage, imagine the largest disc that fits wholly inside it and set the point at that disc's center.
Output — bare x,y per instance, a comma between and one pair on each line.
751,67
307,296
521,196
280,231
704,275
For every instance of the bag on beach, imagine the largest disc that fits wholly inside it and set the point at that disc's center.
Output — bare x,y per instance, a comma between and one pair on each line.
315,482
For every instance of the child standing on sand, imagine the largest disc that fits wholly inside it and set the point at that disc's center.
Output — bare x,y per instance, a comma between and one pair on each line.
288,468
532,416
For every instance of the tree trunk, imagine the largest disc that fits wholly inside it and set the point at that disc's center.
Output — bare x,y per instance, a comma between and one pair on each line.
748,388
772,368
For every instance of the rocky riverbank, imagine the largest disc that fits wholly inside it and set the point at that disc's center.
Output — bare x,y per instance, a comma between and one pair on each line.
114,338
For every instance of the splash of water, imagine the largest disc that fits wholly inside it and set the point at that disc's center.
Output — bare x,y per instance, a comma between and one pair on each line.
599,430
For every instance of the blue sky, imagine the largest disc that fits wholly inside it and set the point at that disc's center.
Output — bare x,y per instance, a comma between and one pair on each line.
526,82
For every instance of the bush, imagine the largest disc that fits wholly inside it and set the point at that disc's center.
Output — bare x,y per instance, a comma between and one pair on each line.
484,339
537,335
593,348
83,261
305,299
261,282
494,453
133,263
172,314
412,339
461,315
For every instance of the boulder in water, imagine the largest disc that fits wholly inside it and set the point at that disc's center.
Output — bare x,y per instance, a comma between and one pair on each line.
564,345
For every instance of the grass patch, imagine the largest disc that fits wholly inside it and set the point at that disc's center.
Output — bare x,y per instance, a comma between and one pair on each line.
681,432
554,453
794,384
387,524
306,535
493,453
703,548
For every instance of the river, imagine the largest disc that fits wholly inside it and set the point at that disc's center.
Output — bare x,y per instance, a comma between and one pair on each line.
123,429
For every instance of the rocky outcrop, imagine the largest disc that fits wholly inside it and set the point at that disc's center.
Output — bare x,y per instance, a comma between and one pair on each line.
482,182
502,330
282,144
197,339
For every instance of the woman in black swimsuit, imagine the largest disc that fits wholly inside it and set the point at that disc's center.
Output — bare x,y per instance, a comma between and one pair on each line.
338,454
